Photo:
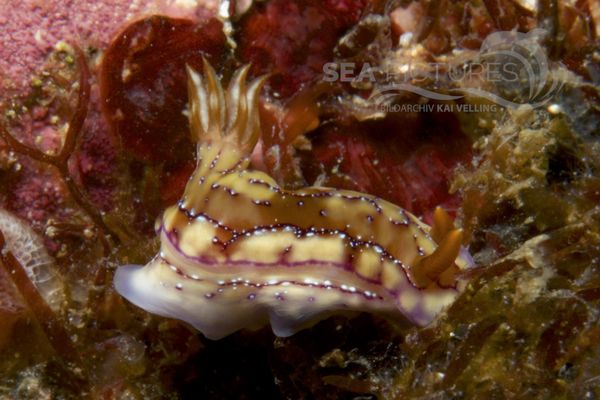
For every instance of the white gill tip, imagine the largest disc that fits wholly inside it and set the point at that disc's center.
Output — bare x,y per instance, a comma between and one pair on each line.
193,75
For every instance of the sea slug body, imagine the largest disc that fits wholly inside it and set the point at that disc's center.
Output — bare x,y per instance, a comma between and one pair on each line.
238,251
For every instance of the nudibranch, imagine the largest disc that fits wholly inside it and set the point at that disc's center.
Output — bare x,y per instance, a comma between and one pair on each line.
238,251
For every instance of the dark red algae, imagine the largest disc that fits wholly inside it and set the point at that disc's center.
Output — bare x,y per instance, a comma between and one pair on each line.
144,93
407,158
293,39
143,83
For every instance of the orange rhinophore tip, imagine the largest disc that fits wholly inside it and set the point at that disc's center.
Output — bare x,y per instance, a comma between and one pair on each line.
429,269
442,224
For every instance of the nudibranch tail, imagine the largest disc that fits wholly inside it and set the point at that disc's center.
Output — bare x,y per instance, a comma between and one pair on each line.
238,250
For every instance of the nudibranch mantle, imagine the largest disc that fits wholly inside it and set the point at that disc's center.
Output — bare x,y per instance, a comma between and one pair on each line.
238,251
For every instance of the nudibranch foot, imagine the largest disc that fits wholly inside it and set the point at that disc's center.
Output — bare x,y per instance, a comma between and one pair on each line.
215,318
238,251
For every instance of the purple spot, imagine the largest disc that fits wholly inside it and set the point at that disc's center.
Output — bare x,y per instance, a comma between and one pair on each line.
209,295
311,299
251,296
